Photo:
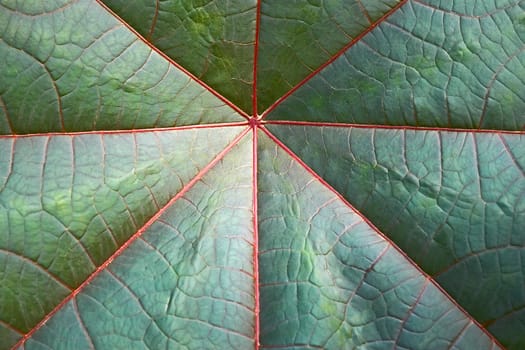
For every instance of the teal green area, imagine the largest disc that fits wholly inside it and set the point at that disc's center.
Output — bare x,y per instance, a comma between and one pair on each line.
214,40
68,202
297,37
187,282
424,66
329,280
78,68
451,200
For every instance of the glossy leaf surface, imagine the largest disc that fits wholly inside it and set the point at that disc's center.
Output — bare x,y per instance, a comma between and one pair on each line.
262,174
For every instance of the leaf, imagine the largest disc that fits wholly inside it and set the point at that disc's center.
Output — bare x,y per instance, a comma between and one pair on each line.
298,37
261,174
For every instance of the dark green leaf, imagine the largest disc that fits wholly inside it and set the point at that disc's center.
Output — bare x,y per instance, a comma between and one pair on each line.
74,67
214,40
298,36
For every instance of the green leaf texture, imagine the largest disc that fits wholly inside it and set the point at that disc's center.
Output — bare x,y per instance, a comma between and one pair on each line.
186,282
426,65
331,281
74,67
298,36
252,174
220,35
452,201
69,202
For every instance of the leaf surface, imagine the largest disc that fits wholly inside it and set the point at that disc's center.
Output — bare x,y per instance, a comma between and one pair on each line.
74,67
262,174
330,278
425,65
297,37
452,201
187,281
68,203
212,39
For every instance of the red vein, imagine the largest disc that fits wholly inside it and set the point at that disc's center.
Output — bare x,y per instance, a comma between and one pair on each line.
381,234
135,236
154,20
363,278
392,127
10,327
506,314
336,56
255,58
9,167
171,61
255,239
454,340
83,326
127,131
364,11
411,310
